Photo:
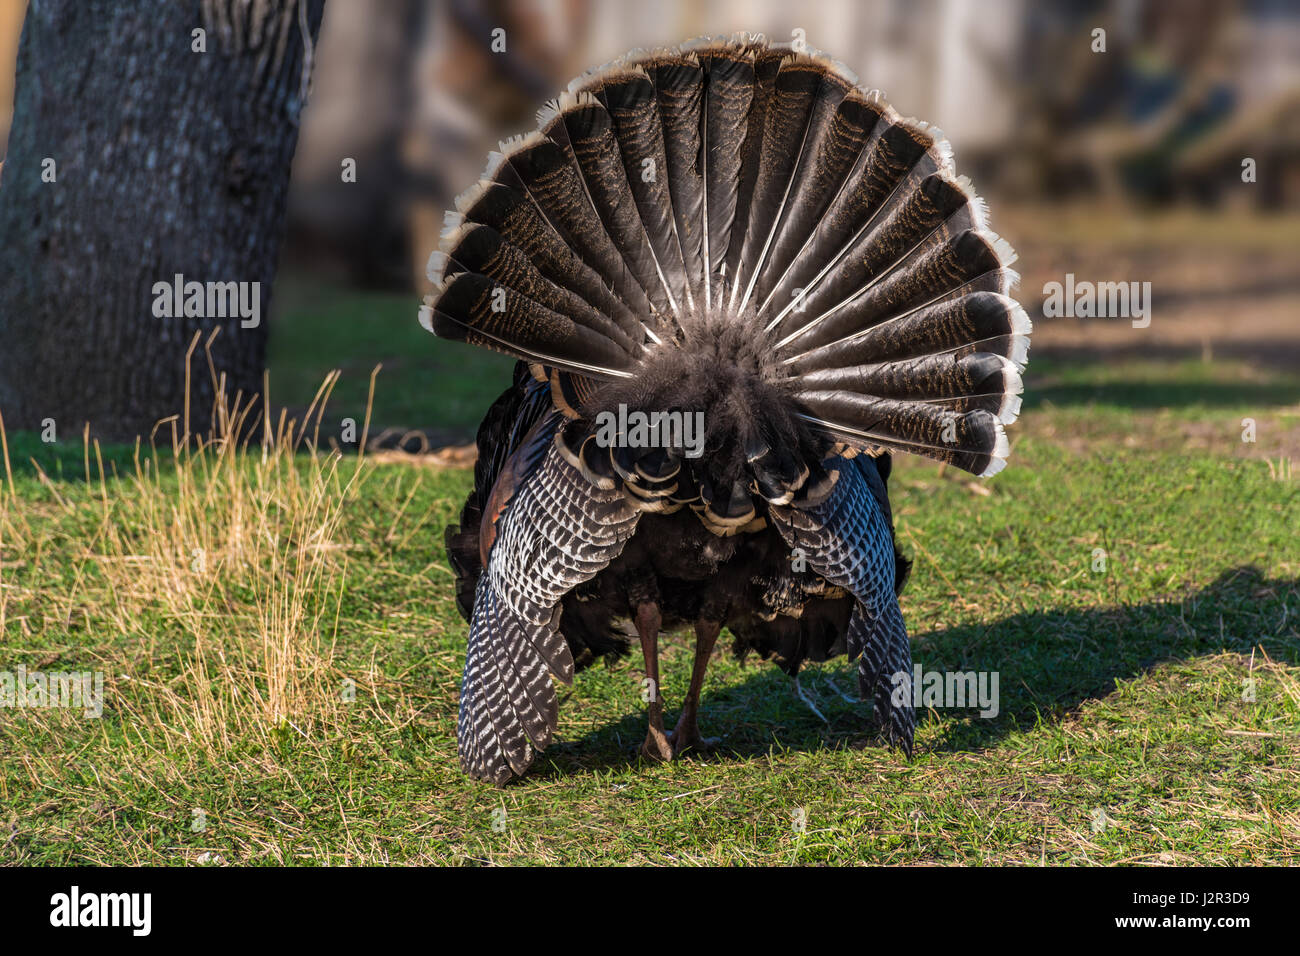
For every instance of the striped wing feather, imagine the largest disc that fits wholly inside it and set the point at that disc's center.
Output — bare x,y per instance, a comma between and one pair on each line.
847,540
558,532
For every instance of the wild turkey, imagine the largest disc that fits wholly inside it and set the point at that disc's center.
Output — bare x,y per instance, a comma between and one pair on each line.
735,229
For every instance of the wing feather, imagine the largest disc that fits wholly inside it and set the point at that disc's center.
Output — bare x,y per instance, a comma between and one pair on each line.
559,531
847,539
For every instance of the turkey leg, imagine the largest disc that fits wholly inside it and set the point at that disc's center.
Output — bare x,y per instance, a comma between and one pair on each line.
686,735
648,619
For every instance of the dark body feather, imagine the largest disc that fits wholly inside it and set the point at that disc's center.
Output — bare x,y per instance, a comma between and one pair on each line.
731,235
745,580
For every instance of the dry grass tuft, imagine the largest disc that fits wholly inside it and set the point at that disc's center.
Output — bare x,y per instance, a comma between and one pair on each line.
230,550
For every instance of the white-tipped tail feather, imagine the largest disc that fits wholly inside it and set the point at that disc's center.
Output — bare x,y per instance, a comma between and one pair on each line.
736,181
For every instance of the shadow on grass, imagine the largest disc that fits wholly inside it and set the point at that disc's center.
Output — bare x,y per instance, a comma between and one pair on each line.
69,460
1154,395
1164,375
1049,663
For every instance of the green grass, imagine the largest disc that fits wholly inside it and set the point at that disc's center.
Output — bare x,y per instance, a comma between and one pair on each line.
1194,389
1123,735
425,381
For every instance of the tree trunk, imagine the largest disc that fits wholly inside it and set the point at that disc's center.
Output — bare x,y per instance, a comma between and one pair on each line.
359,232
165,162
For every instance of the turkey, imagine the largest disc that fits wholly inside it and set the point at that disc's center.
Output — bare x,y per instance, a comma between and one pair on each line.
736,282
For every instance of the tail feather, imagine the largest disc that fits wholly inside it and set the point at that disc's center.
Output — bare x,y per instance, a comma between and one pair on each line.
679,94
481,250
725,126
580,121
973,440
913,281
473,309
975,323
803,92
518,220
628,95
820,182
543,171
897,156
937,209
777,204
977,380
767,65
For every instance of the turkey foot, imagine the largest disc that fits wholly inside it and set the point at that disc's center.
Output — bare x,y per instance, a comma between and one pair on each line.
648,619
658,745
686,736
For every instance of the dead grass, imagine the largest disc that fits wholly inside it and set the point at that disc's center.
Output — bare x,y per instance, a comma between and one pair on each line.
225,551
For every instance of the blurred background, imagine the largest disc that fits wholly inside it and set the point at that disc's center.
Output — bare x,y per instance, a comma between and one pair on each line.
1122,165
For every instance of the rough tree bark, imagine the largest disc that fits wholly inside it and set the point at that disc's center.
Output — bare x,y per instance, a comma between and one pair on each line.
166,161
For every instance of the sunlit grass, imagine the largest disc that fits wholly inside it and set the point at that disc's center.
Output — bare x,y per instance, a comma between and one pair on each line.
282,653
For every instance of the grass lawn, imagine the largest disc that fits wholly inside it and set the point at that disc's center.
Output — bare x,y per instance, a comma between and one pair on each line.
281,652
425,382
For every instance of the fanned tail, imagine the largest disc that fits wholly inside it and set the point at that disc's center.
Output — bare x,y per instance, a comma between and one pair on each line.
733,183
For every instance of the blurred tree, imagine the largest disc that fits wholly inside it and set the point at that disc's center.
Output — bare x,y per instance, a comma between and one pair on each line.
150,141
355,229
416,93
470,92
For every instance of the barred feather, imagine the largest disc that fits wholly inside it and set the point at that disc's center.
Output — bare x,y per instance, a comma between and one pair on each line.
849,542
559,532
